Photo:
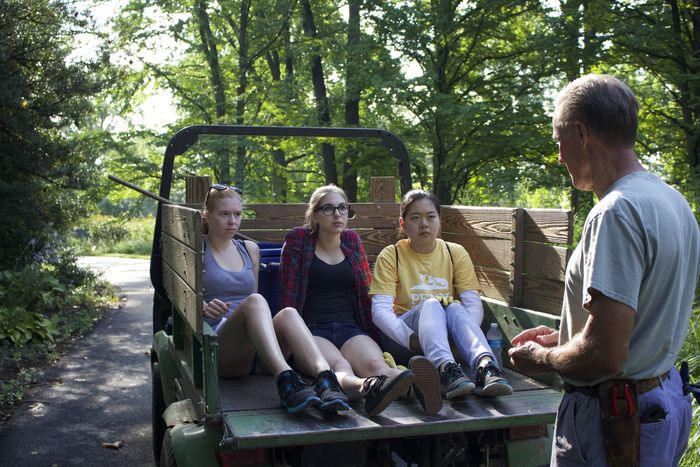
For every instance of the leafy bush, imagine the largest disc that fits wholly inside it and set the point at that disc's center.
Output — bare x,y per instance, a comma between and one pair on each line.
43,307
107,235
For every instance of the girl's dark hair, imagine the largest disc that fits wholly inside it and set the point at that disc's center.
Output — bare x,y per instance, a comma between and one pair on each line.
415,195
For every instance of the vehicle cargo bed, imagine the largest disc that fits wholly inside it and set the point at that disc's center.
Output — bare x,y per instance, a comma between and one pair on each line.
251,410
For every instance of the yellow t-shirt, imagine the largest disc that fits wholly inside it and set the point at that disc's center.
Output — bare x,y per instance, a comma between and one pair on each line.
422,275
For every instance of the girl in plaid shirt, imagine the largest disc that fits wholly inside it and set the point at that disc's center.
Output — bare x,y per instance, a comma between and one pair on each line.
326,277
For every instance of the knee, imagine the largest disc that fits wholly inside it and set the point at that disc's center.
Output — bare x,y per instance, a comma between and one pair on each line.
432,310
256,303
455,308
288,315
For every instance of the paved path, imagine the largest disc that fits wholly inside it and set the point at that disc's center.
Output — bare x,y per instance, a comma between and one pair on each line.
99,392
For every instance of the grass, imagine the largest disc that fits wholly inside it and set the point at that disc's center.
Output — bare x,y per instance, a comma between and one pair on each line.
691,353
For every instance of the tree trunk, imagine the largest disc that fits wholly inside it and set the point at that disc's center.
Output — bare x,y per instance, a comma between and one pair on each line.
209,48
352,97
243,67
322,111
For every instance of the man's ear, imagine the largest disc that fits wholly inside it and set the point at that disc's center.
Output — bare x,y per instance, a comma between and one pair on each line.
401,223
581,132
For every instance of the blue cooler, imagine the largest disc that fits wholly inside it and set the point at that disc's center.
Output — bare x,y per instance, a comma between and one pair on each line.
268,277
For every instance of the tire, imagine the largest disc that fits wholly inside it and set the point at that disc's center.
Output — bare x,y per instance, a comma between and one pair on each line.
157,409
167,455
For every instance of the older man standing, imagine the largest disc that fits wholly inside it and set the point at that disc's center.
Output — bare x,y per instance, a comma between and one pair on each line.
628,296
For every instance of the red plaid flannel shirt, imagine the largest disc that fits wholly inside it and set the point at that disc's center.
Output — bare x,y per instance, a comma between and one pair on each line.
297,253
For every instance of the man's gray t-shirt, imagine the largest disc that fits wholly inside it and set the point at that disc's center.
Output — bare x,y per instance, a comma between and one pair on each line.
640,246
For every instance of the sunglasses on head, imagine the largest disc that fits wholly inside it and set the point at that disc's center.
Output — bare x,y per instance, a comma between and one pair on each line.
222,187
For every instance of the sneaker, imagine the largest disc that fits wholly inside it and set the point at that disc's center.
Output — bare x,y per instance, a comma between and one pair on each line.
490,381
454,382
295,393
328,389
426,386
380,390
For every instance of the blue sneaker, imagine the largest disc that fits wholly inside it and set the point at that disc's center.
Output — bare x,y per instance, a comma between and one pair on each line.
332,396
295,393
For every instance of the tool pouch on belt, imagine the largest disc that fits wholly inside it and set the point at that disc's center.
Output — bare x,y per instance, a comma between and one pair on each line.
620,421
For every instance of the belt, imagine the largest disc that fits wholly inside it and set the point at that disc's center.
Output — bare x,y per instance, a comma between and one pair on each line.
643,385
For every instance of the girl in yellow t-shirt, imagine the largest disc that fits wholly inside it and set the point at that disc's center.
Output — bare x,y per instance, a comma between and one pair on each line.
413,289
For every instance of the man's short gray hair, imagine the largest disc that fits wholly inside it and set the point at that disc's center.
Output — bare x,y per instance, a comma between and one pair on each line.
604,104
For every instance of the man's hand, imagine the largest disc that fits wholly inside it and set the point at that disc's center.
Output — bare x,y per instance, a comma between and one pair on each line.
531,349
546,337
215,309
530,358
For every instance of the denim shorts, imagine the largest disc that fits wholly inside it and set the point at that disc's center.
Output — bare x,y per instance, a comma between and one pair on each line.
336,333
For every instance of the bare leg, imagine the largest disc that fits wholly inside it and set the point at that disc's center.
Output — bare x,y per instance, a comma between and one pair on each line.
351,384
296,339
249,331
366,358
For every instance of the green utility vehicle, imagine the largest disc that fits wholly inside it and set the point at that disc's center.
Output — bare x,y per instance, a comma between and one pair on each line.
200,419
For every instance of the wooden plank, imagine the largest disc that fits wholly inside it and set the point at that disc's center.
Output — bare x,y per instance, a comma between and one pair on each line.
516,264
274,428
493,283
549,225
196,189
486,252
477,221
290,215
543,295
545,261
383,189
185,300
182,224
183,260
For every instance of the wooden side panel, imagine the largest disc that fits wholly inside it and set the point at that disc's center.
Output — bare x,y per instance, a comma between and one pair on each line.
288,216
487,252
545,261
477,221
182,262
494,283
186,301
543,294
549,226
183,224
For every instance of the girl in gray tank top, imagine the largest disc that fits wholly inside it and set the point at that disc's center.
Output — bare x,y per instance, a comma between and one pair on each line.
242,318
231,287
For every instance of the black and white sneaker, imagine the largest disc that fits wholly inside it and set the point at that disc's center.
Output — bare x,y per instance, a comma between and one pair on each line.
380,391
490,381
454,381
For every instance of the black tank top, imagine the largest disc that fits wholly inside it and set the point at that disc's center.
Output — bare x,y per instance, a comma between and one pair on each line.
330,296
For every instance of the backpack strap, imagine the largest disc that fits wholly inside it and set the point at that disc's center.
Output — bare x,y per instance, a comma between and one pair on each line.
450,253
396,254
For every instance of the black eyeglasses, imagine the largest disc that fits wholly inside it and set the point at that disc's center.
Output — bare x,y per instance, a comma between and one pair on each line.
329,209
222,187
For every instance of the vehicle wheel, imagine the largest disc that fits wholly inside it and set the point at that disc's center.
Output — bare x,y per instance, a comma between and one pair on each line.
157,409
167,456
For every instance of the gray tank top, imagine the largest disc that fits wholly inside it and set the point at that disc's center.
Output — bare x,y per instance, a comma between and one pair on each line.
227,286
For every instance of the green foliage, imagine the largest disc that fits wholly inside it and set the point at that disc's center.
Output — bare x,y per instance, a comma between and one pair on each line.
103,235
691,353
44,99
20,326
43,307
